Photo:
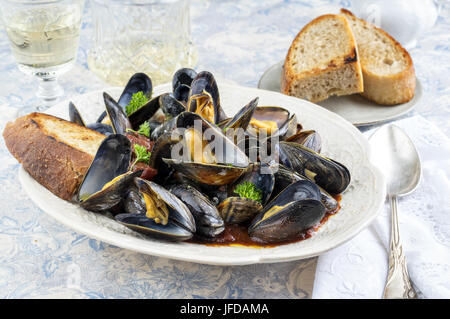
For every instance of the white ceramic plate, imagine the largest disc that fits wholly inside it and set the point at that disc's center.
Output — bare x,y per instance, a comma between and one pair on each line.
341,141
354,108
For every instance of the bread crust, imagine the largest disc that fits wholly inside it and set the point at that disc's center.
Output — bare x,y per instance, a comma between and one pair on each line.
55,165
289,77
387,89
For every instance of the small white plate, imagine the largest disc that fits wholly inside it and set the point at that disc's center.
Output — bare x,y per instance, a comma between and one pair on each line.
354,108
341,141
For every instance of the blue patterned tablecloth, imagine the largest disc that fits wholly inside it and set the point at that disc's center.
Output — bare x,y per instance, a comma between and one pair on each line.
236,40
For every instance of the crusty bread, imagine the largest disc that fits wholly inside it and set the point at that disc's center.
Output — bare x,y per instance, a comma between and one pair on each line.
57,153
387,68
322,61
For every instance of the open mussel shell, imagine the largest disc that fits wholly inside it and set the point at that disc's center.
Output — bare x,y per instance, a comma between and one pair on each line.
229,161
238,210
112,194
74,115
181,93
275,114
327,173
204,89
288,215
111,160
183,76
285,177
170,106
119,120
180,224
139,82
243,117
208,222
310,139
140,223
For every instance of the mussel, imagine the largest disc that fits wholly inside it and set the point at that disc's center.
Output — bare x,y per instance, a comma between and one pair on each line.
325,172
289,215
75,117
164,216
107,179
207,219
204,154
285,177
310,139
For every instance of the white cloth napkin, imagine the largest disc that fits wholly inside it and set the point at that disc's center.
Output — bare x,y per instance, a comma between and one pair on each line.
358,268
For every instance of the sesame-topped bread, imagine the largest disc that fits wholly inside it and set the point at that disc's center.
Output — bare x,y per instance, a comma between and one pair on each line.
322,61
387,68
55,152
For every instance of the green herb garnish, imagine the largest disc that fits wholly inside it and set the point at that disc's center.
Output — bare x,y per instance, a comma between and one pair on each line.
249,190
144,129
137,100
141,154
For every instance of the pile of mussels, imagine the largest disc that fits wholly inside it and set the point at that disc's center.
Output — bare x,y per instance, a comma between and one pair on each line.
175,198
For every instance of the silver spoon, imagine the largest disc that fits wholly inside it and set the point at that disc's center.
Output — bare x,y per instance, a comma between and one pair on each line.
395,155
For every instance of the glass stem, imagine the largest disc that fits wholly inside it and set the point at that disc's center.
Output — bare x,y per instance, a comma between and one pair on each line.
49,92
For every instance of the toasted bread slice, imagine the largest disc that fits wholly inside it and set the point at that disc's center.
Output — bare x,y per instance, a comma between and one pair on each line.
322,61
56,152
387,68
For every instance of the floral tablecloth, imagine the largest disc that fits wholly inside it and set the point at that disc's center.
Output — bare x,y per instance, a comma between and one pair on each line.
237,41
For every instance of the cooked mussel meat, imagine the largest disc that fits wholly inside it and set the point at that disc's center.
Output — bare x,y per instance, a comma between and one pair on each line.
204,154
166,217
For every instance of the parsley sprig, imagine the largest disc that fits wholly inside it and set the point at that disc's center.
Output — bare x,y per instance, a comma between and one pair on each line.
137,101
144,129
248,190
141,154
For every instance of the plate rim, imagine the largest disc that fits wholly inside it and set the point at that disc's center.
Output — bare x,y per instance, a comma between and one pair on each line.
120,240
418,95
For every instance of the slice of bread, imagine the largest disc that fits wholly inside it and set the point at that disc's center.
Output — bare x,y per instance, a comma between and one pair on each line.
55,152
387,68
322,61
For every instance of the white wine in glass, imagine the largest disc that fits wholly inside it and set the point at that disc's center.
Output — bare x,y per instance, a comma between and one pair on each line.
44,40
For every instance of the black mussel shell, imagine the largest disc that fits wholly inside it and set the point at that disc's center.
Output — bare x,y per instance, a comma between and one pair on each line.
327,173
203,83
101,128
243,117
101,117
139,82
178,211
285,177
181,93
140,223
170,106
207,219
287,216
133,202
183,76
144,113
111,195
288,224
310,139
238,210
119,120
74,115
111,160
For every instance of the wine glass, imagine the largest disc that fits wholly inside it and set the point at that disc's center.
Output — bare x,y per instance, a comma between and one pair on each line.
44,39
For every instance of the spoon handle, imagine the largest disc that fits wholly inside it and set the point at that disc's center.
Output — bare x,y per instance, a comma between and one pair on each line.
398,284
